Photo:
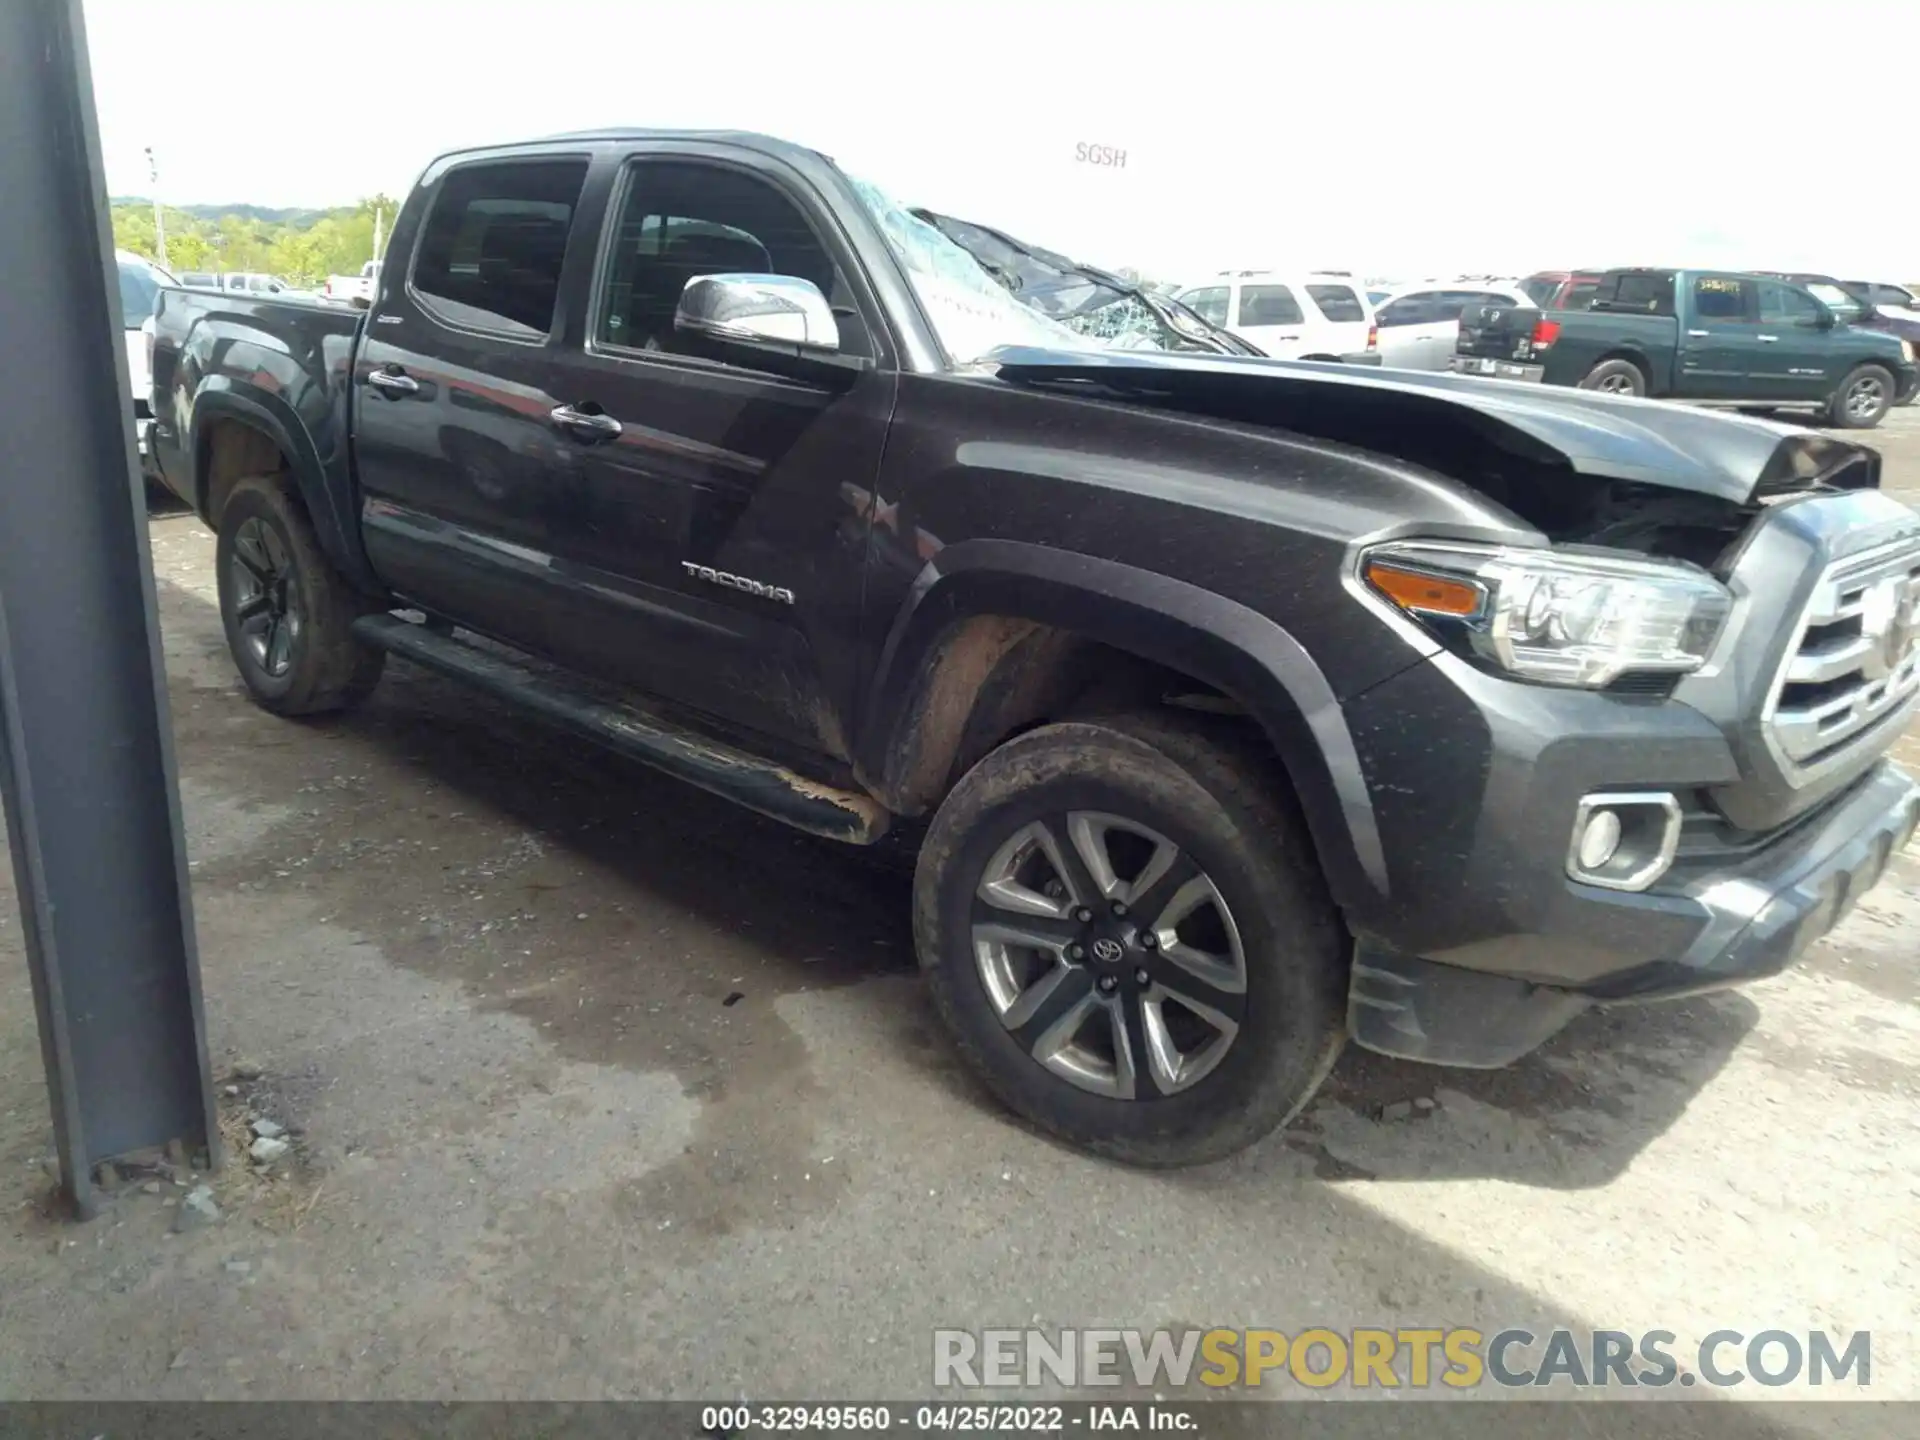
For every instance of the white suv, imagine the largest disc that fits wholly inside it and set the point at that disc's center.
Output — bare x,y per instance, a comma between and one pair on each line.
1313,315
1420,324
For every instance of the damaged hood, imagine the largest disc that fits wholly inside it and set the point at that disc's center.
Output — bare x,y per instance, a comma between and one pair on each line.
1727,456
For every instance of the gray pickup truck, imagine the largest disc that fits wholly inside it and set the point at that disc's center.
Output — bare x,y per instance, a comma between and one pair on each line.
1232,707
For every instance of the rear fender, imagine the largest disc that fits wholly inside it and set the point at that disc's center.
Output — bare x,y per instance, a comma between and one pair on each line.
327,505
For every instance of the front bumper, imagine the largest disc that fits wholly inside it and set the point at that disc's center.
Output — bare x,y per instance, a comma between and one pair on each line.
1748,921
1495,369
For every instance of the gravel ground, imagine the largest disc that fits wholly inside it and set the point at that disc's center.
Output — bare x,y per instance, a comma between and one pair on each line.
598,1090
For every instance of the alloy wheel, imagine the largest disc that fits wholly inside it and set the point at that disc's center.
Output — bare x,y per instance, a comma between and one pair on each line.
1109,954
266,601
1865,397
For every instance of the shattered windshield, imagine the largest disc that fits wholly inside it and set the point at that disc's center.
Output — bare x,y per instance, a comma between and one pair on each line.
982,292
971,311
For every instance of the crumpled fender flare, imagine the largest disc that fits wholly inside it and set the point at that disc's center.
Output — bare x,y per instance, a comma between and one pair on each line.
1233,648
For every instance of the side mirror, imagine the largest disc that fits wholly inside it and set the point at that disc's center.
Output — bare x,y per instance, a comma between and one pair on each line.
1825,320
759,310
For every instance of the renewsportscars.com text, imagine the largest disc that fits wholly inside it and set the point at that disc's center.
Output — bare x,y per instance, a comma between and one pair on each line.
1404,1358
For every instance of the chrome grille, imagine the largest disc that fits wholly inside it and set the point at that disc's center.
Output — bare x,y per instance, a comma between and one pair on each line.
1854,664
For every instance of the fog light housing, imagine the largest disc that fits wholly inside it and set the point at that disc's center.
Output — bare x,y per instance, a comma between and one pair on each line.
1625,840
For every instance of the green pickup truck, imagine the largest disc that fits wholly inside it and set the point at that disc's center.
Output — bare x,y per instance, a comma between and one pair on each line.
1710,336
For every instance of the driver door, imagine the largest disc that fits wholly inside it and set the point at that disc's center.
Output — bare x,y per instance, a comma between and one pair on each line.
708,541
1793,358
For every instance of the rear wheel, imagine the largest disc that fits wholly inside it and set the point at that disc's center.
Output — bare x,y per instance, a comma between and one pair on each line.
1616,377
288,615
1130,938
1863,398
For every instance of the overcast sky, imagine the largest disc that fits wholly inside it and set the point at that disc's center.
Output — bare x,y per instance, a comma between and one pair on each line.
1397,139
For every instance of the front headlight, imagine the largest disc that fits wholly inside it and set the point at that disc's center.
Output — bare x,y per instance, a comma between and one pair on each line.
1906,349
1552,616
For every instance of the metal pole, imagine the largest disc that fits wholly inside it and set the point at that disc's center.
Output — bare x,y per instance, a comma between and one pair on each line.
159,220
86,753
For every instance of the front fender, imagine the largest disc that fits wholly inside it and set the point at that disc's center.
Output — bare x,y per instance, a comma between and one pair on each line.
1218,641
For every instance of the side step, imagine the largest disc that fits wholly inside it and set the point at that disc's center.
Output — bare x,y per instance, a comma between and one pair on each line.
731,774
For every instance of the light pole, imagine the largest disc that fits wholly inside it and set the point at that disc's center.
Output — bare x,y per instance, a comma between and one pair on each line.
159,220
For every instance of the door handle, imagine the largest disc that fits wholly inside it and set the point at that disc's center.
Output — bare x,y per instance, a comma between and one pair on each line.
1698,334
393,382
584,424
1768,339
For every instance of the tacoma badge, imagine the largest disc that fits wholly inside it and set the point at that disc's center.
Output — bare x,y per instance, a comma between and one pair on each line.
737,582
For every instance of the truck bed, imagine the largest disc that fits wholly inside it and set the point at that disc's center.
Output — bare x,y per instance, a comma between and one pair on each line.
284,367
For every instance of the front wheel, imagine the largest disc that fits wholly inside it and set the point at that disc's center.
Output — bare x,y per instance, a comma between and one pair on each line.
288,615
1863,398
1126,930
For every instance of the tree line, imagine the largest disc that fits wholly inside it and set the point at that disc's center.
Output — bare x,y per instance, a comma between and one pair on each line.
303,248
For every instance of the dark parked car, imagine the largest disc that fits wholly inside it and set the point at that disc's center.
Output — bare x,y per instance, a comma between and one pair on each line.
1884,294
1234,706
1701,335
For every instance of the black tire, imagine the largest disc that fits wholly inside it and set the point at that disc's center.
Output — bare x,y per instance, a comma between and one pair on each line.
1863,399
1616,377
322,666
1226,812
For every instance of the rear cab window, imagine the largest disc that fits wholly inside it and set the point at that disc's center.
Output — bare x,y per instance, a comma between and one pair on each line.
1338,303
1638,292
491,249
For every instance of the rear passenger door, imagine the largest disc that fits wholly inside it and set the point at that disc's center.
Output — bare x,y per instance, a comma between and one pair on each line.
462,474
1719,345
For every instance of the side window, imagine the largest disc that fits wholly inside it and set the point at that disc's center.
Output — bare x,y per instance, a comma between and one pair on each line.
1580,295
1421,308
681,219
1786,304
1337,302
1269,305
1407,310
1209,303
490,253
1452,302
1721,298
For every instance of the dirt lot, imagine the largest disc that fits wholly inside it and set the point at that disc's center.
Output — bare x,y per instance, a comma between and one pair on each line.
601,1088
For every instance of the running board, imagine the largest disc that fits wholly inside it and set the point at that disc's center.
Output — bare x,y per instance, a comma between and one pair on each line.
719,769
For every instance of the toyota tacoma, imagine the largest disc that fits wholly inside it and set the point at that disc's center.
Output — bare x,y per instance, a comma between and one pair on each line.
1232,707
